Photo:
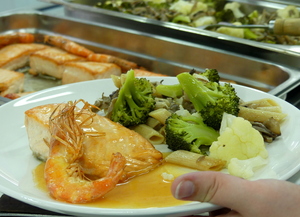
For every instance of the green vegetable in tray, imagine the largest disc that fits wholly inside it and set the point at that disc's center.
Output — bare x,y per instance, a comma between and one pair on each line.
197,13
178,11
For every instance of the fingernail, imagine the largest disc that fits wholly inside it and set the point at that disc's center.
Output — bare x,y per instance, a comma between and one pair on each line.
184,189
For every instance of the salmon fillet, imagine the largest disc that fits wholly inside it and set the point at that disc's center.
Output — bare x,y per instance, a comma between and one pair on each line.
85,71
37,127
141,156
50,61
10,82
16,56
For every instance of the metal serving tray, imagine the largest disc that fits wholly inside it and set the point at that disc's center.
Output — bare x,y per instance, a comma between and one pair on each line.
165,55
84,9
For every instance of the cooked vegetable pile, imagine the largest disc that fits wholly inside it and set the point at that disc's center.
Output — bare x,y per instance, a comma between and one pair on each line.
197,13
199,114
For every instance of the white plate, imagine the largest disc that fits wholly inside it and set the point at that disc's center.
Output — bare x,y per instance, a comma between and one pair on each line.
17,162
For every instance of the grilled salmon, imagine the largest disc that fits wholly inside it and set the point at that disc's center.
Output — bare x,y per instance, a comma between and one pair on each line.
10,82
85,71
16,56
50,61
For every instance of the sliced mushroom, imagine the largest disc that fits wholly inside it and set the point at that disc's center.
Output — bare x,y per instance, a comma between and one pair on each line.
266,133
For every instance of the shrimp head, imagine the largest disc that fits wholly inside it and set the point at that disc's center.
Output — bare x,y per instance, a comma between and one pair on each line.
64,177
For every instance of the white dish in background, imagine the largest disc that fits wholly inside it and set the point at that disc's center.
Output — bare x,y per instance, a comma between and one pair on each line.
17,161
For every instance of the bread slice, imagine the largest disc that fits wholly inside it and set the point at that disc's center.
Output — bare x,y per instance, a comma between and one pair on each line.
50,61
10,82
85,71
16,56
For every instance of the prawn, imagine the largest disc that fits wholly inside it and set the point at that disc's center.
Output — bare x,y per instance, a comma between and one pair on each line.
64,177
19,37
124,64
67,45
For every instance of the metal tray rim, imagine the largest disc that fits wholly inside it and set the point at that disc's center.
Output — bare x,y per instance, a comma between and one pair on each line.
289,49
280,90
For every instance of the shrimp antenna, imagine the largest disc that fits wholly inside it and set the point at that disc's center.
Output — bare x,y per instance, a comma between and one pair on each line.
66,125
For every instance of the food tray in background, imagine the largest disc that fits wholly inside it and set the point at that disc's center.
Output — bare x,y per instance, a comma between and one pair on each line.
85,9
277,73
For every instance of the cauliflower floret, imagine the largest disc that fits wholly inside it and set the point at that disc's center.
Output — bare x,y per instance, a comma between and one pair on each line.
206,20
182,6
236,32
188,7
289,11
235,8
245,168
238,139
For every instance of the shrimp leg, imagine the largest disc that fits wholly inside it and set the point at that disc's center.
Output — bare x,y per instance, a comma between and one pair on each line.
64,177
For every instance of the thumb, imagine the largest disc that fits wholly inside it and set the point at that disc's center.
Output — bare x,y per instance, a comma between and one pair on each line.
214,187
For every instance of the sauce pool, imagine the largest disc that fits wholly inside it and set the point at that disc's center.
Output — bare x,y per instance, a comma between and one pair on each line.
146,191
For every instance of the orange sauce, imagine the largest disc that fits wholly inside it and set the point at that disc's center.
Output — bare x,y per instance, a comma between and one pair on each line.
145,191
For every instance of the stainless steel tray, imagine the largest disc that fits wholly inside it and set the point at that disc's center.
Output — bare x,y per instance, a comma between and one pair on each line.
84,9
276,73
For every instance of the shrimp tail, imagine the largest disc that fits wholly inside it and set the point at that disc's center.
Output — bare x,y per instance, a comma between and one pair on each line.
114,175
66,182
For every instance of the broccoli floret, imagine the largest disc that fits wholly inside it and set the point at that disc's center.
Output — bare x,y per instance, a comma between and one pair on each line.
250,18
210,99
134,102
225,16
173,90
212,75
188,133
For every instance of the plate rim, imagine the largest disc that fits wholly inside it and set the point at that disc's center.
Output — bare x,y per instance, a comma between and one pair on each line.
57,206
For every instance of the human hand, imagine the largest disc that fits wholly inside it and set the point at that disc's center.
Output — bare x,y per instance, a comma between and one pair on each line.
243,198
